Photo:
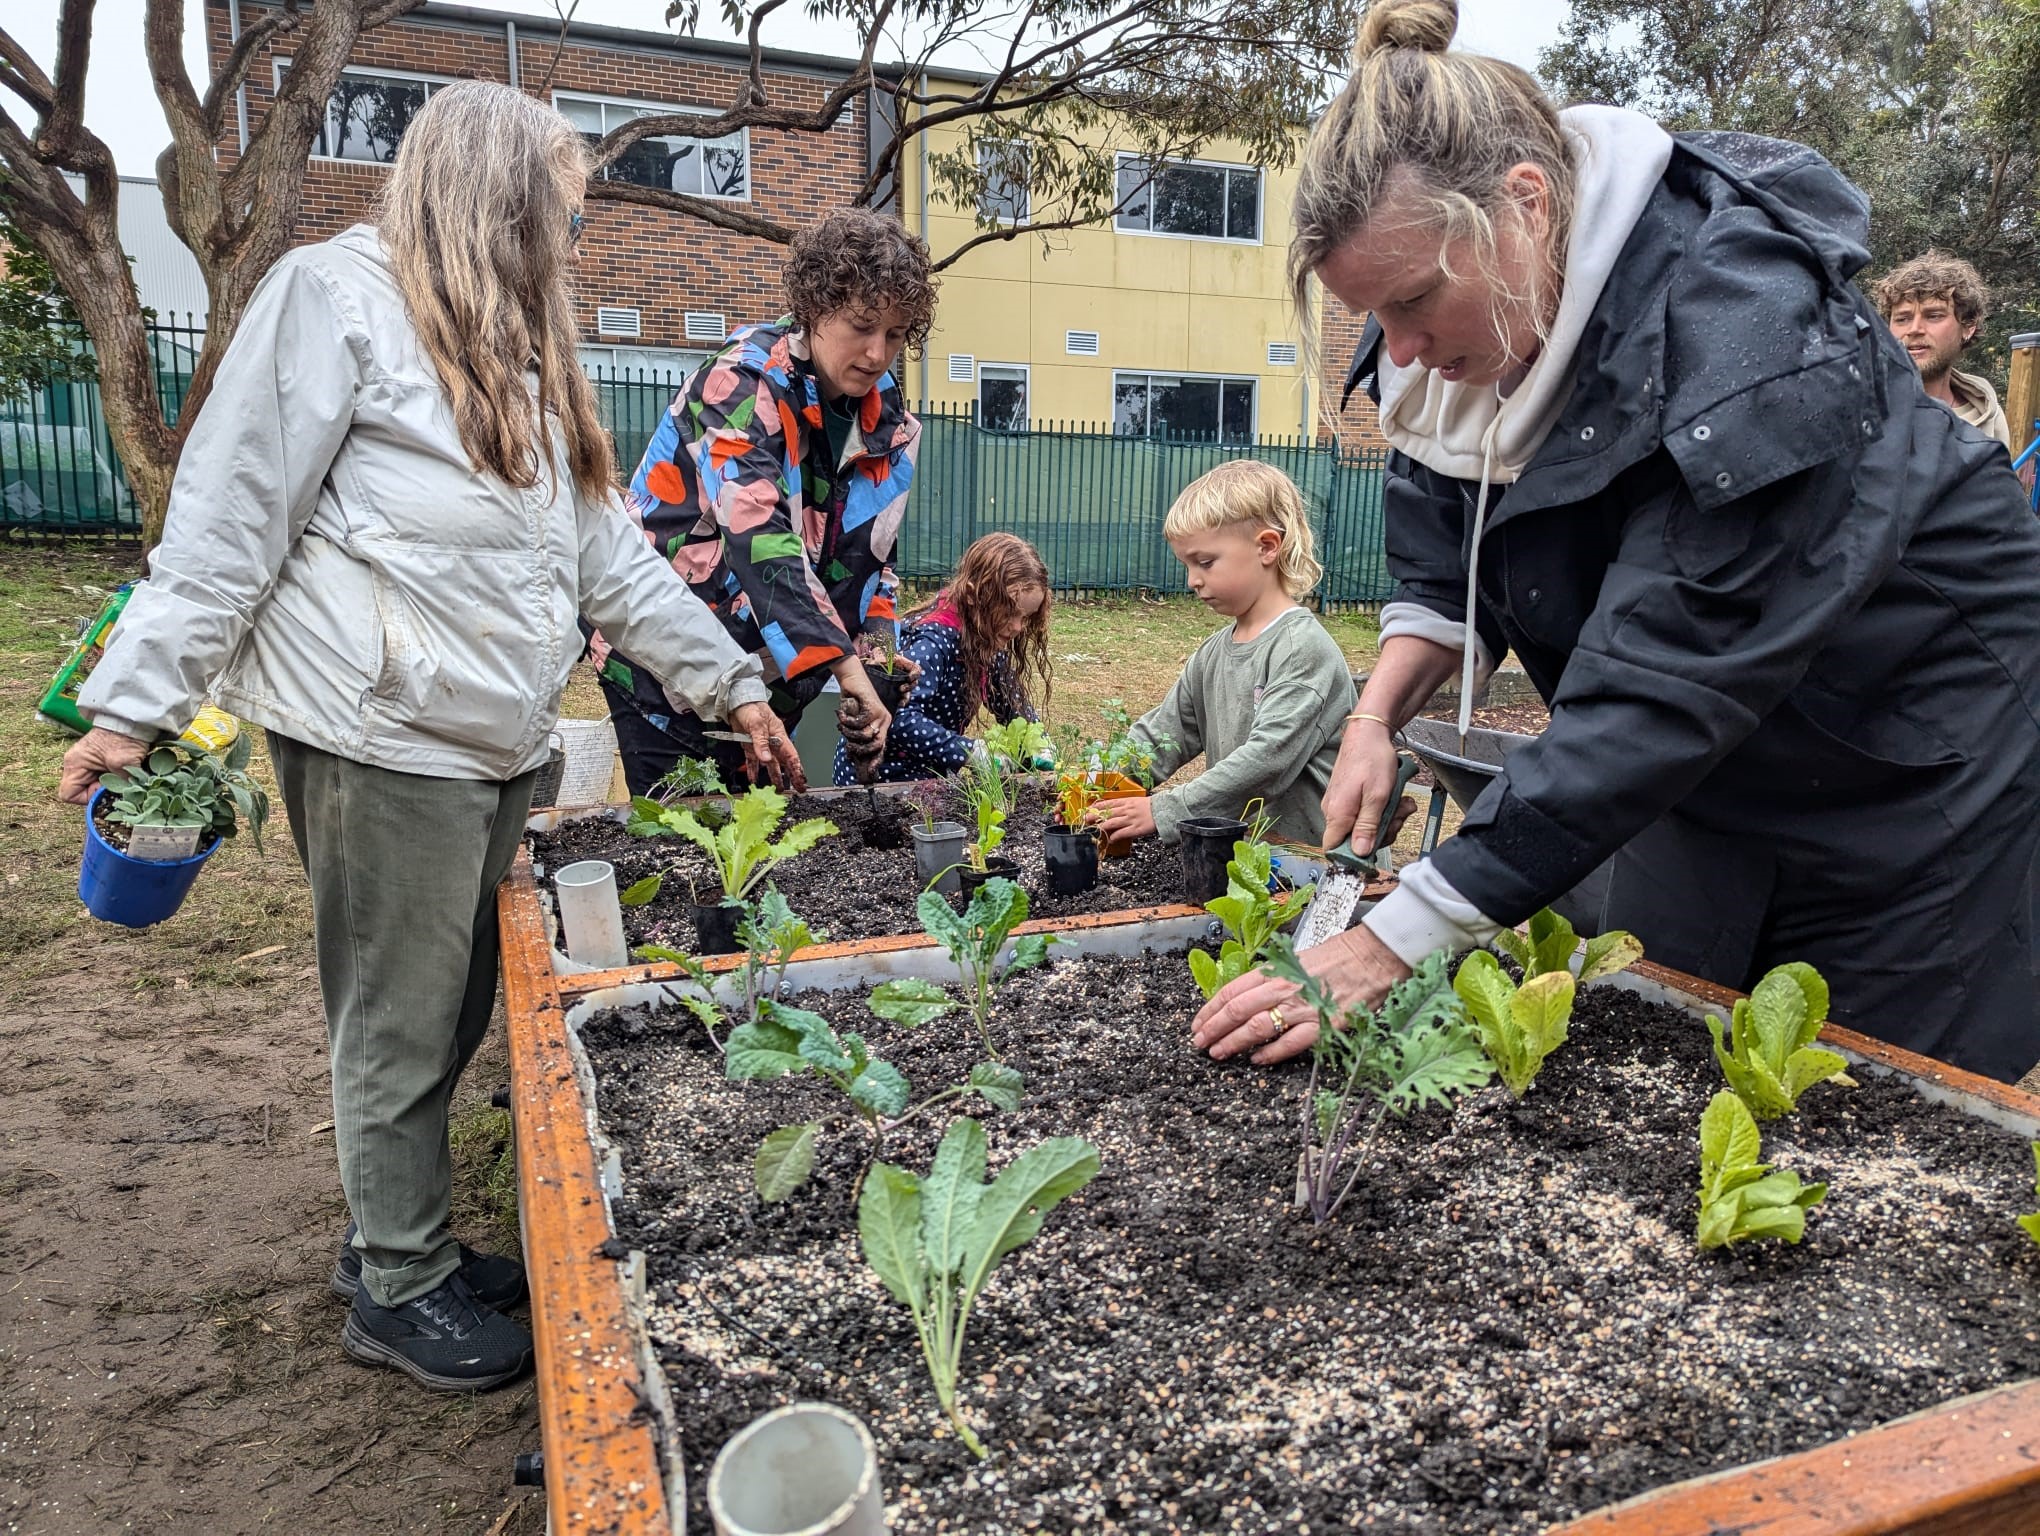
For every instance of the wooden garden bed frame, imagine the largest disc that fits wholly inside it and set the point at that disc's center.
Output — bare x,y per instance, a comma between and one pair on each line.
1969,1467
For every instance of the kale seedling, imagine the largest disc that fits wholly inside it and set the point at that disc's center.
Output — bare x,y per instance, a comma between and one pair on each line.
973,938
1250,914
2032,1223
771,934
1521,1025
935,1241
1769,1057
1741,1198
744,851
1418,1049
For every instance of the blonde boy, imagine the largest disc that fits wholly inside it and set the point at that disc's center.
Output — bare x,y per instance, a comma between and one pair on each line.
1265,698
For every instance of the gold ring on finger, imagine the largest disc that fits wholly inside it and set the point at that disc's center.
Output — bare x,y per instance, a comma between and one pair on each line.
1280,1023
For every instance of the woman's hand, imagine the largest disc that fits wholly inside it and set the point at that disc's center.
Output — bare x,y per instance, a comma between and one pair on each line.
1260,1014
1362,784
1115,819
770,750
92,754
863,721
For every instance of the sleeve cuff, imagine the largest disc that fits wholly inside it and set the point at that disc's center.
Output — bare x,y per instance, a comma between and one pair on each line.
1424,913
1406,618
102,720
1167,813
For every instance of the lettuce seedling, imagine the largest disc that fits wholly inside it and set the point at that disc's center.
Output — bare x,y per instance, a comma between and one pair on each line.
1250,915
973,938
1769,1057
1521,1025
2032,1223
1741,1198
1418,1049
1019,744
743,851
935,1241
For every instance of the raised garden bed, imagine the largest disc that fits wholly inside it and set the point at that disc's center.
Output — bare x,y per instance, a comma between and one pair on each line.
1509,1324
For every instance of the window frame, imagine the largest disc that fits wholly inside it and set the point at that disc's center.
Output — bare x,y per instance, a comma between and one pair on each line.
1026,372
279,66
1253,381
670,109
1120,158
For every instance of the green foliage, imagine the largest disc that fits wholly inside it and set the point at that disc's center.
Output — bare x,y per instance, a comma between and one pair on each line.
974,938
910,1001
694,778
2031,1224
1250,915
1740,1197
934,1242
42,340
180,786
985,791
1122,751
771,933
1019,744
1521,1025
1418,1049
743,850
1769,1057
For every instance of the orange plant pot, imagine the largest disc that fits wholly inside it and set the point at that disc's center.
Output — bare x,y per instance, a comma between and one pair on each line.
1098,787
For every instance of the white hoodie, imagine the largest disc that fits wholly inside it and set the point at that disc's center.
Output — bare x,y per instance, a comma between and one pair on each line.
1480,432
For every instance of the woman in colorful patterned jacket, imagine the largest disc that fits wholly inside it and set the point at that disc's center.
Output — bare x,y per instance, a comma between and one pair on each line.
776,484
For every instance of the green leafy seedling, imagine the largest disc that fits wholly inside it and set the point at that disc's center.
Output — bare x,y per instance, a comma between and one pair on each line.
1419,1049
1740,1197
1521,1025
1018,744
1769,1057
2031,1224
935,1241
1549,949
182,786
974,939
1250,915
743,851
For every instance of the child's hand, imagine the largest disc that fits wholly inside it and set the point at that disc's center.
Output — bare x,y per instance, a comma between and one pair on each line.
1132,817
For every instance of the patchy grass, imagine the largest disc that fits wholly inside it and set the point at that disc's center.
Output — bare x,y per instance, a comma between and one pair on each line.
484,1178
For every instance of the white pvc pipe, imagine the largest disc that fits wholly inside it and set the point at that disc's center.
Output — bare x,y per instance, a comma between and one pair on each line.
808,1469
590,916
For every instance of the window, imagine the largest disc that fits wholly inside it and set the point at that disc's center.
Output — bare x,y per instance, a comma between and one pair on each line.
1204,202
1002,397
700,167
665,364
1004,165
368,113
1183,407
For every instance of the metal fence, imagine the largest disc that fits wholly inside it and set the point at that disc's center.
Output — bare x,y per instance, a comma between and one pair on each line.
1090,499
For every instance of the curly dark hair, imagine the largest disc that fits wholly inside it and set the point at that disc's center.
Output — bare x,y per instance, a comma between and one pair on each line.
1935,275
859,260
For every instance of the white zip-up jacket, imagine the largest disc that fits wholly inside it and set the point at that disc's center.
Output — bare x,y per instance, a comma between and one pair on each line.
333,568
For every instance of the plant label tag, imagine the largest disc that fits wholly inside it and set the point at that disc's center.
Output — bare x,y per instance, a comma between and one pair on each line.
161,844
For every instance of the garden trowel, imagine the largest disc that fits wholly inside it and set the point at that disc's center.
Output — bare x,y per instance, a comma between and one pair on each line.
1347,872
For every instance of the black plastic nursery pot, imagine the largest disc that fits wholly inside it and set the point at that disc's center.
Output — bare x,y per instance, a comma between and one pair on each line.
995,869
891,687
1072,859
1206,848
715,928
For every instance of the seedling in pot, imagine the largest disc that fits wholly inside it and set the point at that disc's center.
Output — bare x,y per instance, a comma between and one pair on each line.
783,1040
743,852
934,1241
692,778
973,938
176,786
771,934
1124,752
1250,914
985,791
1741,1198
1418,1049
1521,1025
1769,1057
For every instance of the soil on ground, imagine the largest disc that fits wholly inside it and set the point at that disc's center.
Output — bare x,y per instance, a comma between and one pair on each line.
857,884
1509,1323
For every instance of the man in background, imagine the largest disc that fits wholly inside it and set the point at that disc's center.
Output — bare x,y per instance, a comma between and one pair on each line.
1935,306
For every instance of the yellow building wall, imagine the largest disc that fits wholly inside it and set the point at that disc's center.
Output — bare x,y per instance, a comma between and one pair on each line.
1159,303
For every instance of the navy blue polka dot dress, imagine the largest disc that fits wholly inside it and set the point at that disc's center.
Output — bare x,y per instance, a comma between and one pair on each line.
926,740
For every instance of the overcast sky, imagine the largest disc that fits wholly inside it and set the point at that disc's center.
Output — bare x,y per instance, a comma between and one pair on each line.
120,105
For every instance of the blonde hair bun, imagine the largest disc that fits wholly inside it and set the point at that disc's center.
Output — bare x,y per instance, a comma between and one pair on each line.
1424,25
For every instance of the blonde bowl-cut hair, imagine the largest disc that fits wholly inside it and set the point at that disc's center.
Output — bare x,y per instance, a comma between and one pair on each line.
1434,131
1251,492
477,219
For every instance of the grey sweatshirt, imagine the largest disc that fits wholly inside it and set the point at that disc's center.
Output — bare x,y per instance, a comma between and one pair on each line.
1267,715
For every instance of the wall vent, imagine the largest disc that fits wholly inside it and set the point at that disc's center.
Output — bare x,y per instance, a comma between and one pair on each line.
1281,354
962,368
1081,343
619,322
703,326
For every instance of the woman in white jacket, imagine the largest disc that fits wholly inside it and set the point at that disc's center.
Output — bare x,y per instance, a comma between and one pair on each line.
382,528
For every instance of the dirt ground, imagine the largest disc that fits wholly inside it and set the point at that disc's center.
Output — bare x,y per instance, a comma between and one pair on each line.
169,1354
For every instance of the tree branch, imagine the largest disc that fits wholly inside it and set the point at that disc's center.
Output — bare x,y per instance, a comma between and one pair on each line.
758,16
66,120
24,77
566,16
730,216
234,72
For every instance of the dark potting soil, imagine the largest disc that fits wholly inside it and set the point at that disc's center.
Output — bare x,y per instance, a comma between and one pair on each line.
1508,1324
858,884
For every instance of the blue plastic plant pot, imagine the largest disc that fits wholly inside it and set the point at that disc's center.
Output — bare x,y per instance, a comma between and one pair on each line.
132,892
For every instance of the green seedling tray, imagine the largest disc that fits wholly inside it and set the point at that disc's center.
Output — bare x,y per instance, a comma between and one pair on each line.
59,703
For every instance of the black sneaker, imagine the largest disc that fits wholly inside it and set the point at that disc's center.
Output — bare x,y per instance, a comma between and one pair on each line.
497,1282
444,1339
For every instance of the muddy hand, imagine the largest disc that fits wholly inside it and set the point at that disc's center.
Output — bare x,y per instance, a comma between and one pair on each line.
768,749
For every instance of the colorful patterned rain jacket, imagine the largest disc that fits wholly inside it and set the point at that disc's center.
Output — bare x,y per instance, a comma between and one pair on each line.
736,489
